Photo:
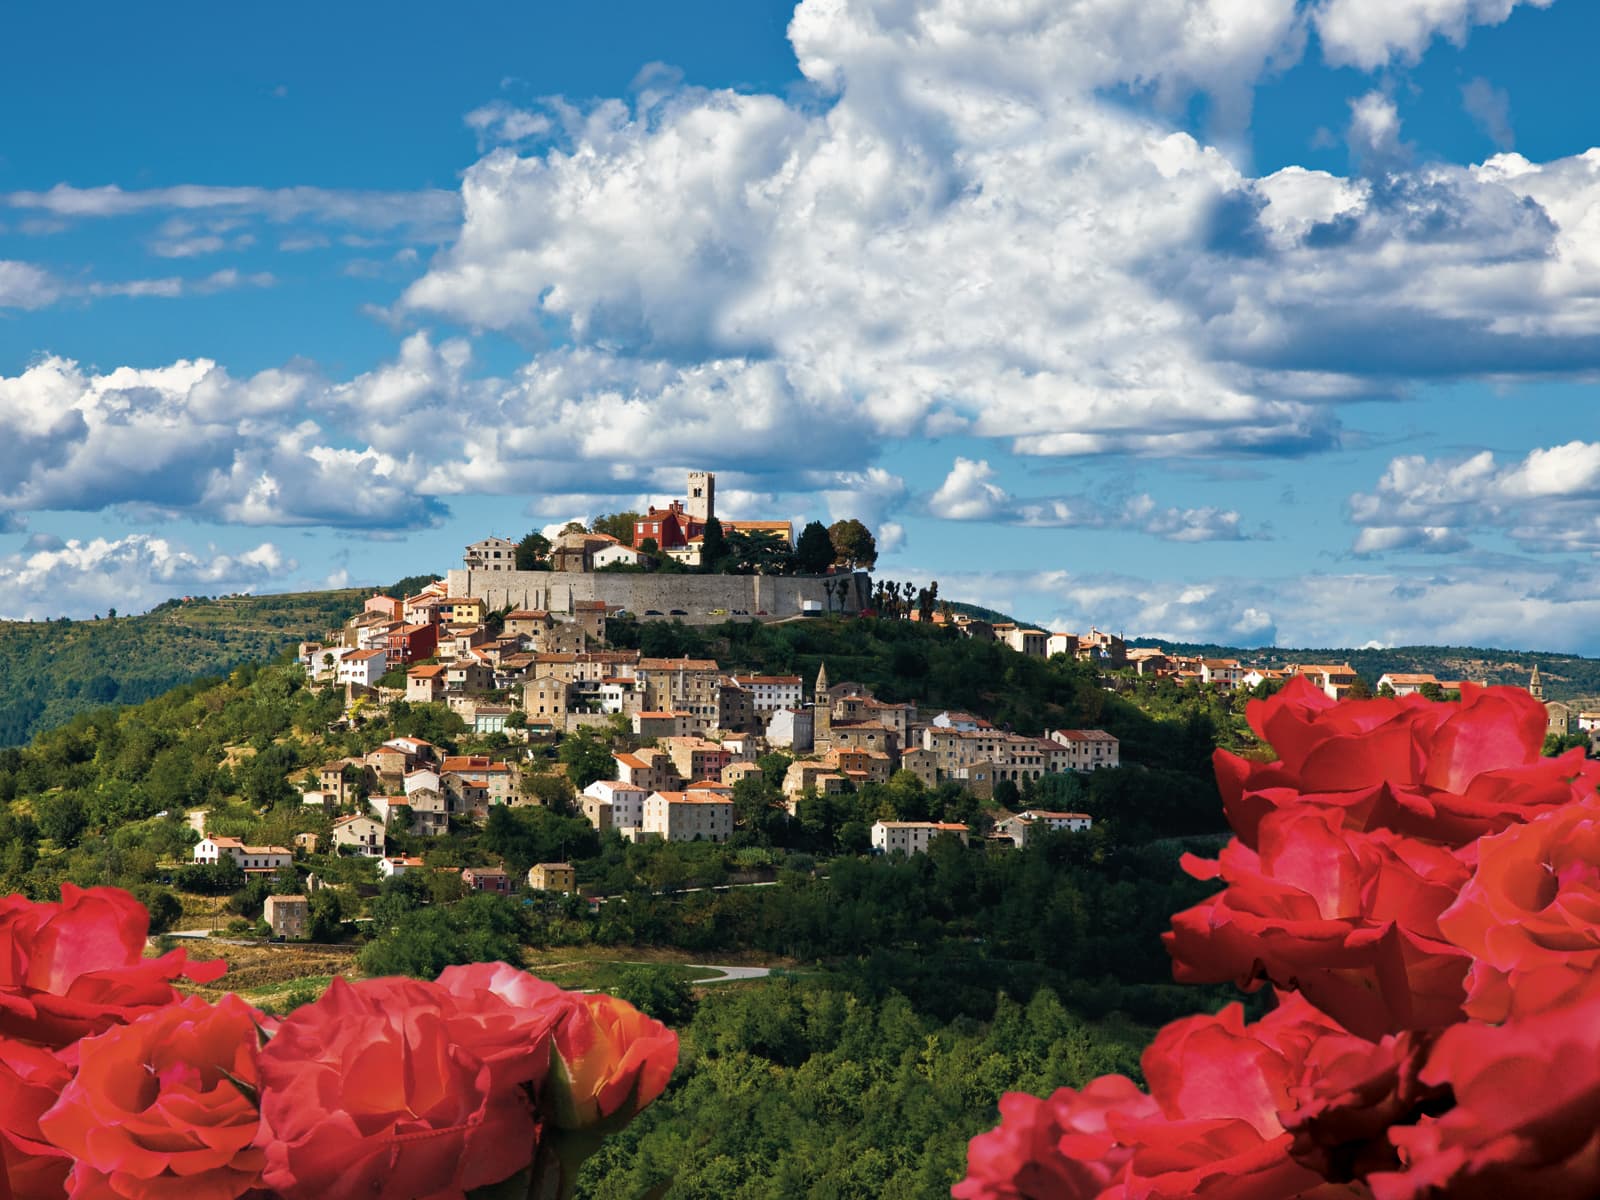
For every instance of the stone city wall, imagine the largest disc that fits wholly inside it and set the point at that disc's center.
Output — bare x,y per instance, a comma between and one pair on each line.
697,595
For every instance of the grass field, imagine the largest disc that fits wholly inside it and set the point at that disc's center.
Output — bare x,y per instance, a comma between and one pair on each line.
277,977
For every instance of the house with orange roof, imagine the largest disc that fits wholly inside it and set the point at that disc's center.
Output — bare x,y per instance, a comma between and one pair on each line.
1403,684
688,816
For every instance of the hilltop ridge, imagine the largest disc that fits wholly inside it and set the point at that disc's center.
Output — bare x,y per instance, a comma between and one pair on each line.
1565,676
52,670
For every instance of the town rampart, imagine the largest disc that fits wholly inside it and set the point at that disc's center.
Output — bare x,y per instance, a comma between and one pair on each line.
778,596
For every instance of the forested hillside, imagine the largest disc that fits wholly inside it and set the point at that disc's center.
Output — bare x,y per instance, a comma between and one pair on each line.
911,992
50,670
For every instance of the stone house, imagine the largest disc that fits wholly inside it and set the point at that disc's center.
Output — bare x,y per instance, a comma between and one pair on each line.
553,877
288,916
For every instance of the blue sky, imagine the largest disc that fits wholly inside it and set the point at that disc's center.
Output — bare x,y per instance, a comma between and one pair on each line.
1276,330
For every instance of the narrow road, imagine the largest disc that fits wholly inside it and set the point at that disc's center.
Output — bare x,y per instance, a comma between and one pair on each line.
730,973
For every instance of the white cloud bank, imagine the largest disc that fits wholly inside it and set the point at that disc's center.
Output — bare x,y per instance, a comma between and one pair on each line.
1547,501
969,493
53,578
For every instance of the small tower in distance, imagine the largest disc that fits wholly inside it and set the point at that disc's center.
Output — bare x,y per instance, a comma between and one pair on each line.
822,712
701,496
1535,684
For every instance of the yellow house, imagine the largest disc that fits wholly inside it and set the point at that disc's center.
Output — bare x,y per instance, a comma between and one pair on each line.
553,877
467,610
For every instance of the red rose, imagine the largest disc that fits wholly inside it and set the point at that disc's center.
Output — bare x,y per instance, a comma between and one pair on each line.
1351,1093
32,1079
506,1017
74,969
159,1110
1055,1149
1526,1120
1348,919
609,1061
1221,1085
366,1093
1448,772
1530,915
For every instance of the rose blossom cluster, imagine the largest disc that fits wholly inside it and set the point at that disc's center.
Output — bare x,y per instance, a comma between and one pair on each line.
114,1085
1420,891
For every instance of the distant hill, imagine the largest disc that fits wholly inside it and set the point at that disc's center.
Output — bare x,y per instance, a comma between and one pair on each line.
1565,676
51,670
978,613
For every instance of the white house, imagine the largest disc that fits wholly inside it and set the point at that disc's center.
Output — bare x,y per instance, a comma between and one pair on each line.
323,662
688,816
772,692
911,837
618,805
390,867
1224,673
363,667
209,850
965,722
611,555
1405,685
1021,826
423,779
792,728
361,833
326,801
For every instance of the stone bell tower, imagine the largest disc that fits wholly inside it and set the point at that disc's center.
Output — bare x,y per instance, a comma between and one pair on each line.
701,496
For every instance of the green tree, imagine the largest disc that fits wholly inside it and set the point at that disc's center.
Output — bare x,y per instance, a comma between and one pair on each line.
619,525
657,992
853,544
1559,743
327,916
533,553
62,818
1359,690
758,553
713,548
587,756
814,553
164,907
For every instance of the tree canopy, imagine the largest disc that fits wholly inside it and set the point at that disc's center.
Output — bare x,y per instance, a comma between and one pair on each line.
618,525
853,545
814,552
533,553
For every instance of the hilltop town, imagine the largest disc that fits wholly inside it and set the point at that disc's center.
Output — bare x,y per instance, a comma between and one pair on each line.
677,737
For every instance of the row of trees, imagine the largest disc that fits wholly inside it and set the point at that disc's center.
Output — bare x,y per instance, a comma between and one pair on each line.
846,544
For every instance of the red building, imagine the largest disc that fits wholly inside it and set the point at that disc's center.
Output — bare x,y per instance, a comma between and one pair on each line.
671,527
486,879
411,643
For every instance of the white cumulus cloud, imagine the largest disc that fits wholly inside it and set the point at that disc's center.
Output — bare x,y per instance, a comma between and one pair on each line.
969,493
